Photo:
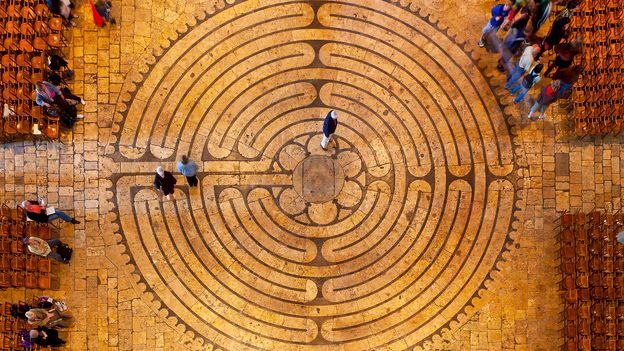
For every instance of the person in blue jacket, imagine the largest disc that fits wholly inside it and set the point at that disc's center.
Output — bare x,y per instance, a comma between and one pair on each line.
499,13
188,168
329,128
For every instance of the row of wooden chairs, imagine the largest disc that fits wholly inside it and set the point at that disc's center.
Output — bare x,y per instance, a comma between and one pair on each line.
598,93
18,267
27,32
10,328
592,265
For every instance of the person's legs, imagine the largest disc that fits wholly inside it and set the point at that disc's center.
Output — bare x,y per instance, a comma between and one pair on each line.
515,88
542,109
521,95
54,243
69,95
59,214
325,141
486,30
514,76
192,180
55,256
534,108
564,87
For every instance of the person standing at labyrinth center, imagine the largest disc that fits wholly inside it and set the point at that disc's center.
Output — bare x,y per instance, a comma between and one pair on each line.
329,128
188,168
164,182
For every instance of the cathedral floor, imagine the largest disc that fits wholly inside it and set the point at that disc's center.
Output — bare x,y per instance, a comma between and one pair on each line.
429,224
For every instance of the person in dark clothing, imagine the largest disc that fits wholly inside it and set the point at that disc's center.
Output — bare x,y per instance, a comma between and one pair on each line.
568,76
329,128
165,182
540,13
55,104
56,62
45,337
36,211
54,6
547,96
103,8
565,55
558,32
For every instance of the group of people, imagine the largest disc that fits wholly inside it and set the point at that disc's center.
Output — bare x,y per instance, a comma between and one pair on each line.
54,248
54,96
523,19
44,317
101,11
165,181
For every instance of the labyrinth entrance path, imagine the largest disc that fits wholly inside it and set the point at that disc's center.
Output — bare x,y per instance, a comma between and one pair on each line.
427,225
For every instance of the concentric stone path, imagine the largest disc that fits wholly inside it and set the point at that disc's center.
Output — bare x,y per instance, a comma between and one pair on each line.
421,190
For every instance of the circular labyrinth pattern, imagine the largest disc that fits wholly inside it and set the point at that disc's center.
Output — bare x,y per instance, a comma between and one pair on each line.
250,262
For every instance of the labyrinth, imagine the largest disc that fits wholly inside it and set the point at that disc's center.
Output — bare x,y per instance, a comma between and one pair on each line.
378,243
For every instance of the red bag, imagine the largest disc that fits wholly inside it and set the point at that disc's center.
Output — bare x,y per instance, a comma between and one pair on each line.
99,21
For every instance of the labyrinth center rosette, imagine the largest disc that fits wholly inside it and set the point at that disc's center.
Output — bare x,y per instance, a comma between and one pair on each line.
422,199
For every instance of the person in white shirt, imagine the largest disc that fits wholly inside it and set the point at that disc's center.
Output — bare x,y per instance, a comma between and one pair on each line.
523,65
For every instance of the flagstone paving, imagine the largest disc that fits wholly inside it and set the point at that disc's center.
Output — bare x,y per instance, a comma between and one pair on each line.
427,225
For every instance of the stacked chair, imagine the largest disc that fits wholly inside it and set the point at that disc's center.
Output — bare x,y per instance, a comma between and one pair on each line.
592,264
18,267
598,107
27,32
10,328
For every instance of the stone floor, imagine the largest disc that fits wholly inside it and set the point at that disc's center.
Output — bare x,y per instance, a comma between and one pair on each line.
428,225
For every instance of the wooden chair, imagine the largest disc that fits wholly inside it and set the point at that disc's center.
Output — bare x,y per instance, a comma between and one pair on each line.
17,247
31,281
40,44
6,309
5,246
51,130
5,262
42,11
18,263
56,24
31,263
5,280
5,229
28,13
44,282
18,279
44,265
38,62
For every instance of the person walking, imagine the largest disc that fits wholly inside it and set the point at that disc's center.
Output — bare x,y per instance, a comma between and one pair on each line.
44,248
329,128
532,78
37,211
547,96
499,13
188,168
524,63
165,182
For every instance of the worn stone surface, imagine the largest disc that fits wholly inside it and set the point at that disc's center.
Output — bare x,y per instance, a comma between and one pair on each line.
442,236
